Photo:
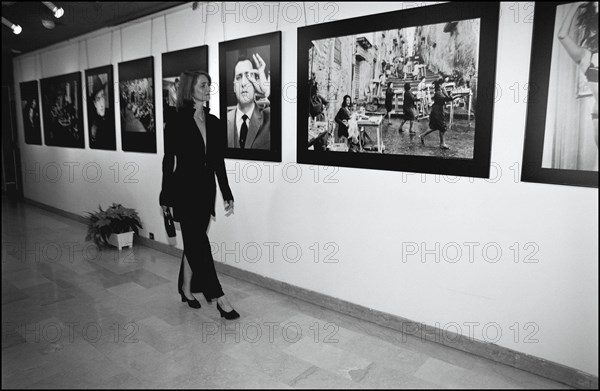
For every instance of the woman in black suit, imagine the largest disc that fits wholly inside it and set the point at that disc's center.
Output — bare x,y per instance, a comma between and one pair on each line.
195,142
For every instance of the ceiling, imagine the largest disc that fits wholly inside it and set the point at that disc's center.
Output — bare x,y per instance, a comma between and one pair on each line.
81,17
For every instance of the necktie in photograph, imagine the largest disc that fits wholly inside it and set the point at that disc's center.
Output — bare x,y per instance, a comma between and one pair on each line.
244,131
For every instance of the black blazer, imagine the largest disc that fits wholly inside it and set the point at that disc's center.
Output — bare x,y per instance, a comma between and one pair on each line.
191,187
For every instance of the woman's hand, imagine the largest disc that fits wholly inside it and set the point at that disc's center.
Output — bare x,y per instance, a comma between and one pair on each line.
228,207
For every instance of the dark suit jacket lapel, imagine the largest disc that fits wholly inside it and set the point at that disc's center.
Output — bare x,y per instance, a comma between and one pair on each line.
255,123
202,148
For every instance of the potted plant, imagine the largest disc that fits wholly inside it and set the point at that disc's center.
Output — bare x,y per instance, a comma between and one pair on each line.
115,225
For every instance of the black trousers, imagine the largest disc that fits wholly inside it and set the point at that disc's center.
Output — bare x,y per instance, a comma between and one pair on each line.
196,248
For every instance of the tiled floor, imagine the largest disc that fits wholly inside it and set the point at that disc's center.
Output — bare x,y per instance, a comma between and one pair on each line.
76,318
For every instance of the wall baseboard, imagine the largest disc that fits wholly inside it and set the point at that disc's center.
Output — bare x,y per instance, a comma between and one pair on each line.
532,364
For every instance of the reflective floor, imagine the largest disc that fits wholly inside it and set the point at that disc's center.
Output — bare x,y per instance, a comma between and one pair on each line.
76,318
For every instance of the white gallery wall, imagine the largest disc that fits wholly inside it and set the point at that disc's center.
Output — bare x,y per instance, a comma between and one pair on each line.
499,260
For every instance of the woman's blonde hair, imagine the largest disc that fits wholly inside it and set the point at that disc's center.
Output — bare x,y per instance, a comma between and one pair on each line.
187,82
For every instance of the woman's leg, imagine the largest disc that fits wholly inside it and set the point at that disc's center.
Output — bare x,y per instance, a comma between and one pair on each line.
401,125
595,122
224,303
343,140
425,134
199,256
443,140
187,278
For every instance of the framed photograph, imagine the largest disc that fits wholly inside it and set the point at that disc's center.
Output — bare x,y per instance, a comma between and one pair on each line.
61,110
173,64
30,104
136,98
561,134
409,90
250,96
100,110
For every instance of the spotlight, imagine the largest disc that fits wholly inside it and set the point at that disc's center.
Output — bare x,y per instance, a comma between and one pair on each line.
58,11
47,23
16,29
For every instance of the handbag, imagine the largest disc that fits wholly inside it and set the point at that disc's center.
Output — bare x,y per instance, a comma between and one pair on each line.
169,223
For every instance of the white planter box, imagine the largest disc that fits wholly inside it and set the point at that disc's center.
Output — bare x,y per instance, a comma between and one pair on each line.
121,240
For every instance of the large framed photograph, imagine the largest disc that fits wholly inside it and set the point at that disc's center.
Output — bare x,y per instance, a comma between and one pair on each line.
561,135
100,110
136,97
31,112
250,96
173,64
61,110
409,90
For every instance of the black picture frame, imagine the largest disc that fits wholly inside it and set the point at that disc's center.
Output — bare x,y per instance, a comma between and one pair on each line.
264,131
30,106
100,108
137,105
62,111
173,64
557,167
487,14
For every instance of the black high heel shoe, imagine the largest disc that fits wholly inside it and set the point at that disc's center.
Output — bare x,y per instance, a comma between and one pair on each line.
227,315
192,303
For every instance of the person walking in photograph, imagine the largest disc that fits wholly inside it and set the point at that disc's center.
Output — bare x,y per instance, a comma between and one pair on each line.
389,97
409,108
423,95
436,117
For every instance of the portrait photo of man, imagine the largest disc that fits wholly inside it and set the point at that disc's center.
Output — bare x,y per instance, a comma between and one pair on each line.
250,96
249,121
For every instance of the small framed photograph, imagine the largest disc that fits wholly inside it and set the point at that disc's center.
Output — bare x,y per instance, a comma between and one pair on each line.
30,104
250,96
409,90
136,97
561,134
100,110
62,111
